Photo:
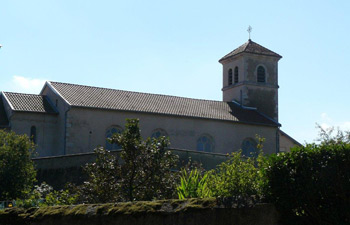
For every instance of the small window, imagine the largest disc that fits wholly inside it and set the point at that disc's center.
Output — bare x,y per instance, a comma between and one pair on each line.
236,75
159,133
33,134
109,134
261,74
229,76
205,143
249,148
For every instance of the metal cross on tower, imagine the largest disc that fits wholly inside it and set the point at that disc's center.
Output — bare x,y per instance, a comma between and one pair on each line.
249,30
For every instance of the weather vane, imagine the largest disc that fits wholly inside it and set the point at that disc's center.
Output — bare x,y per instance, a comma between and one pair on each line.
249,30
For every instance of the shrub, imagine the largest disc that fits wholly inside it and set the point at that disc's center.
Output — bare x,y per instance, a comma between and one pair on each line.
311,184
193,184
237,179
44,195
17,173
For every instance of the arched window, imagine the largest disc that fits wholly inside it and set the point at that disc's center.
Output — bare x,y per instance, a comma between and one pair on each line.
109,134
33,134
261,74
229,76
249,147
236,75
205,143
159,133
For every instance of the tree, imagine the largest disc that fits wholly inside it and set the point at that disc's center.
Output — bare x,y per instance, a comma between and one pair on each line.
143,174
102,185
17,173
311,184
146,170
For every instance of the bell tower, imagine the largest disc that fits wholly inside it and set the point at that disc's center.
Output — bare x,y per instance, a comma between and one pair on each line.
250,77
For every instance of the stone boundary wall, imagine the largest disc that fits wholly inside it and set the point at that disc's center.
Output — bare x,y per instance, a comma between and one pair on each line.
58,170
169,212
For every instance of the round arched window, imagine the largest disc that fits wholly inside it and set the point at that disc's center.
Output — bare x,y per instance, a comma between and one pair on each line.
109,134
33,134
249,147
159,133
261,74
229,76
236,75
205,143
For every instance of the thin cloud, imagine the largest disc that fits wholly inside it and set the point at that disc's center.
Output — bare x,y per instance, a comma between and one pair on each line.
327,122
27,85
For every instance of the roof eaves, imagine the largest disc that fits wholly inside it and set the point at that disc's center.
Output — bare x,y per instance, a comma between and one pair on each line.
269,118
27,111
256,110
270,55
285,134
175,115
245,52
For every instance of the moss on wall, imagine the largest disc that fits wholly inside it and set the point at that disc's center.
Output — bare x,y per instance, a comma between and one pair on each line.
186,212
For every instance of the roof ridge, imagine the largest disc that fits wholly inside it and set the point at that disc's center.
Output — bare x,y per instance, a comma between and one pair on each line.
262,47
11,92
137,92
246,44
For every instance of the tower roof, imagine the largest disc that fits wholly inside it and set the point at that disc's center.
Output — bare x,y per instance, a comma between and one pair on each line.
253,48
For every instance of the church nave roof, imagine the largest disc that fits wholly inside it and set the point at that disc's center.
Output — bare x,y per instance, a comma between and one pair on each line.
112,99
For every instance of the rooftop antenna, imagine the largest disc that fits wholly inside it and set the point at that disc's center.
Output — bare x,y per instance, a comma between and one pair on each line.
249,30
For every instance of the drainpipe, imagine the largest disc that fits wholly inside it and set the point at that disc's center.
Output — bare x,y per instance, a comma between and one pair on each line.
65,131
277,140
241,97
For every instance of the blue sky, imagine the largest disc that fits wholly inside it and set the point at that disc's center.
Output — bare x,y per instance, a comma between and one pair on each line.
173,48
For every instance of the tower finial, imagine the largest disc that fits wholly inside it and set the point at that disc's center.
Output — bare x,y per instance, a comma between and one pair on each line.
249,30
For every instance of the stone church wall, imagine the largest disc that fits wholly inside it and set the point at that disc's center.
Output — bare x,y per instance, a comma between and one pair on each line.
86,129
62,107
46,141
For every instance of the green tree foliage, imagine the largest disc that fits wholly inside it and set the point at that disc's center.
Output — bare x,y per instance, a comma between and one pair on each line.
237,182
143,174
311,184
102,185
17,173
238,179
44,195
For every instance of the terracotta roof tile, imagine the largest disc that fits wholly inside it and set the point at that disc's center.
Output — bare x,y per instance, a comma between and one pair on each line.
103,98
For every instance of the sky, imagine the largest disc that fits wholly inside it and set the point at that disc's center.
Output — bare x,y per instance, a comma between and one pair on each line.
173,48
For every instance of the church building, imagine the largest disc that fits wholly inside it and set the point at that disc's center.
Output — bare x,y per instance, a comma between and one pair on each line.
66,119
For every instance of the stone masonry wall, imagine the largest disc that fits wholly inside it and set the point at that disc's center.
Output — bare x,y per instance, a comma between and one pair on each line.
169,212
58,170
